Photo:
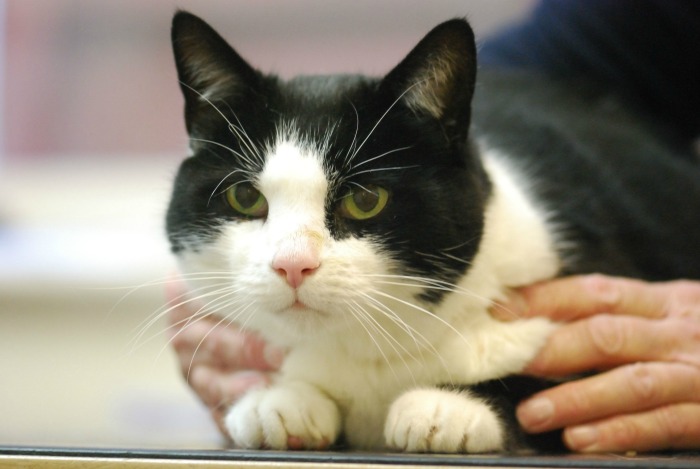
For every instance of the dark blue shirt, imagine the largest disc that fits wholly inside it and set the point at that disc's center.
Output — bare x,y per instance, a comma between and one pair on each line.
648,51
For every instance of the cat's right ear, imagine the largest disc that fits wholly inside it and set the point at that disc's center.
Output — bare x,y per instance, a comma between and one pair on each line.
207,67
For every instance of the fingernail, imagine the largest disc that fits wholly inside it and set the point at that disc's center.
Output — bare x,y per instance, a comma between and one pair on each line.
513,307
273,356
583,438
534,414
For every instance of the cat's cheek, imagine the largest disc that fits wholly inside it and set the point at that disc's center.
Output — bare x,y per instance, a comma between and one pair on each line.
441,421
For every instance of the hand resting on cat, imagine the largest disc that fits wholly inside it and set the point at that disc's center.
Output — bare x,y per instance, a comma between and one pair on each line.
647,337
647,400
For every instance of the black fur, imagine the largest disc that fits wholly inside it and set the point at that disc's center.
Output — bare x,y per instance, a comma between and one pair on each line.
504,395
437,199
623,199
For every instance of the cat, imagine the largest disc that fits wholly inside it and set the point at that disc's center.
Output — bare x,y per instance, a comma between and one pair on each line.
367,225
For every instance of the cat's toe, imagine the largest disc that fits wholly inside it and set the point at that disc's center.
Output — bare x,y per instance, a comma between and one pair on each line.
243,422
286,417
438,421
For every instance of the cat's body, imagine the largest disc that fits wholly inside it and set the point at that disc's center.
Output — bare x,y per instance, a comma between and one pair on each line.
355,222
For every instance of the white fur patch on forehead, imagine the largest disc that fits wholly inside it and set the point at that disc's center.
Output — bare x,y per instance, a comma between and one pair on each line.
293,178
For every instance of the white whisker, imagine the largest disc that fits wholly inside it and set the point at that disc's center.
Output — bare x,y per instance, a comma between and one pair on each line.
394,168
351,149
395,150
238,132
422,310
189,297
241,134
214,193
230,318
196,316
379,121
422,282
207,100
394,318
424,343
358,315
455,258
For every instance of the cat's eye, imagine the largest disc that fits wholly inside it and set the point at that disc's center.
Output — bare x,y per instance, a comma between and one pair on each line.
245,199
364,203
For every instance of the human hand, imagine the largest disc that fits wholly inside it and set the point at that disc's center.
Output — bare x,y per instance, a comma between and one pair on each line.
219,362
646,339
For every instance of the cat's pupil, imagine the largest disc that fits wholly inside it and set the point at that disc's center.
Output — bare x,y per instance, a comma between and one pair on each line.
247,195
366,200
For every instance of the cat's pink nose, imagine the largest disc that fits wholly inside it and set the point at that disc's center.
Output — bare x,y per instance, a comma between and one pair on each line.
294,267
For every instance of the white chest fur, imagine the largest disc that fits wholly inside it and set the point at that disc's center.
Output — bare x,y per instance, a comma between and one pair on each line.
359,345
465,346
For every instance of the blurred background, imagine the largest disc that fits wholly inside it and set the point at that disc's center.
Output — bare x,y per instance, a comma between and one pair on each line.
91,133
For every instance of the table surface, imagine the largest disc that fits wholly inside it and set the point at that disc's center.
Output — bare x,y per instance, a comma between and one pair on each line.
159,459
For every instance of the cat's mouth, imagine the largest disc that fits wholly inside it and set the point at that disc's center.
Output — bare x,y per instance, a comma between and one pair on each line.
299,308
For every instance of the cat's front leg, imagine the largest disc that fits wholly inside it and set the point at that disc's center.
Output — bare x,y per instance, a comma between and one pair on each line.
285,416
442,421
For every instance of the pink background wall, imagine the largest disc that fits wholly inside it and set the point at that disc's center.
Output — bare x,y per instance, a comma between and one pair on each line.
86,77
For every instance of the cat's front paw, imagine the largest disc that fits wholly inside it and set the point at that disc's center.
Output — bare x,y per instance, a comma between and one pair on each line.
289,416
439,421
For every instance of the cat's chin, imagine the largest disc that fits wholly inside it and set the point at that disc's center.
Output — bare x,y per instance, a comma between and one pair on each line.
300,310
295,324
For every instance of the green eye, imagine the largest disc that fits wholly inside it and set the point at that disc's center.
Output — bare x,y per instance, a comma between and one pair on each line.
247,200
364,203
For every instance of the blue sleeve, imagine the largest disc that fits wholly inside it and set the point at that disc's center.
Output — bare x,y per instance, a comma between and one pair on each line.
648,50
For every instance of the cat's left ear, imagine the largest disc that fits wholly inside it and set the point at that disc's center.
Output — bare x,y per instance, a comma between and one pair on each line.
437,77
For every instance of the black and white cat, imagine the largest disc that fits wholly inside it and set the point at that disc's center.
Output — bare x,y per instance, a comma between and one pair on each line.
367,225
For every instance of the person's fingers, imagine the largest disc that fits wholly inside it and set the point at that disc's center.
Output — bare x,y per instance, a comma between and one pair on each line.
571,298
604,341
668,427
624,390
682,298
185,345
208,340
217,389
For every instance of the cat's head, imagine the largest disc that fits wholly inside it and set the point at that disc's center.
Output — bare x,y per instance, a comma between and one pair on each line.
325,201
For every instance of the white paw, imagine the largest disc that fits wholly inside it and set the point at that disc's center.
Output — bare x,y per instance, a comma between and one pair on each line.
438,421
286,416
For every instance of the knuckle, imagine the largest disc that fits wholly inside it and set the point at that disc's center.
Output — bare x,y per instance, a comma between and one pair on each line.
624,433
684,343
186,339
663,428
683,298
693,331
178,341
580,401
645,383
605,290
694,383
671,423
606,335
